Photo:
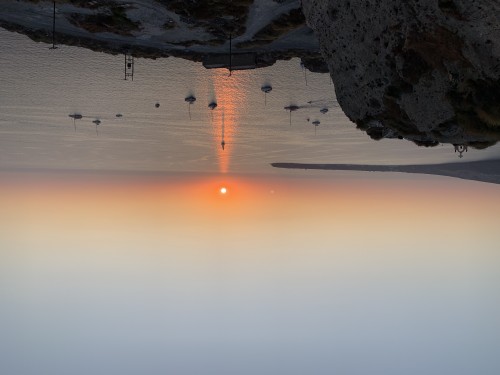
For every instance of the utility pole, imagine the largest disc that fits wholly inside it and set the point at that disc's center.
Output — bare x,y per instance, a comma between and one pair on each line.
230,53
54,27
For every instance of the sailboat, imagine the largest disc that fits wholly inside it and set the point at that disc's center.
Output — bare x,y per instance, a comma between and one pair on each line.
266,89
291,108
222,143
316,124
212,105
190,99
75,116
96,122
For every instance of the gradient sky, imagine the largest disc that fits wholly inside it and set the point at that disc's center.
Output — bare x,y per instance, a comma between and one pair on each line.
348,273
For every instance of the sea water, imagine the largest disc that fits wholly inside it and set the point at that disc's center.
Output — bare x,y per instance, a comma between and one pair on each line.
42,87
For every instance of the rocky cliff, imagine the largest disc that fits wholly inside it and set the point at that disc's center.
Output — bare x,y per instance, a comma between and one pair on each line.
424,70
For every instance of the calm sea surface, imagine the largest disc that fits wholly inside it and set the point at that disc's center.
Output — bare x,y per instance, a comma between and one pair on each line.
41,87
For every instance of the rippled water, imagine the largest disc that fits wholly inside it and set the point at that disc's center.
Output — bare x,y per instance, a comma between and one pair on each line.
41,87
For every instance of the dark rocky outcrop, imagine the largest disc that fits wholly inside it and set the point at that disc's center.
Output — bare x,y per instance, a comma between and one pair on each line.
424,70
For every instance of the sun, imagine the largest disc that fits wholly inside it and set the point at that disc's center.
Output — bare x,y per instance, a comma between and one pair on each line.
223,190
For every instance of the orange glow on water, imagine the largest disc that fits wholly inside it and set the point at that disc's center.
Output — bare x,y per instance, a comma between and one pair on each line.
231,100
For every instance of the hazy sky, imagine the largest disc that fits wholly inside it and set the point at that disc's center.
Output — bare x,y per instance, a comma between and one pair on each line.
346,273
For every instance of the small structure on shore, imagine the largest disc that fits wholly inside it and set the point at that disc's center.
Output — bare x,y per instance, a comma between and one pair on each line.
129,67
460,149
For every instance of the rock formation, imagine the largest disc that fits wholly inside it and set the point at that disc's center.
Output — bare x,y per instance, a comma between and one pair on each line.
424,70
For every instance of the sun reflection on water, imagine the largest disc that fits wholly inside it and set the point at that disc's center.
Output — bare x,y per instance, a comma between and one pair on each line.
231,103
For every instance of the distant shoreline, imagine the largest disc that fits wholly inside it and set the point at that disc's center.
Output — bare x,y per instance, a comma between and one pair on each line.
117,28
483,171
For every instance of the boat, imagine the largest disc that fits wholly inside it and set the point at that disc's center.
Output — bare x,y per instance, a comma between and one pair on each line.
190,99
266,89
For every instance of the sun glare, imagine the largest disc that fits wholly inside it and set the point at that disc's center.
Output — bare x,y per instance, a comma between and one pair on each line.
223,190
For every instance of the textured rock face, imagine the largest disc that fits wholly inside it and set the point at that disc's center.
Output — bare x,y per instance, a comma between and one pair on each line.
425,70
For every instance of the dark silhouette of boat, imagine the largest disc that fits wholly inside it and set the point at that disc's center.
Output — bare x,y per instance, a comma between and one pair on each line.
75,116
96,122
190,99
266,89
222,143
291,108
316,124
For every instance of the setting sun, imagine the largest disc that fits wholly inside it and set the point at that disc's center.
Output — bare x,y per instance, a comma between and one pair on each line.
223,190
